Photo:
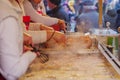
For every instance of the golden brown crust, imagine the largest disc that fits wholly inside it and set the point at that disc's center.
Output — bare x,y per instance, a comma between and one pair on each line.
81,41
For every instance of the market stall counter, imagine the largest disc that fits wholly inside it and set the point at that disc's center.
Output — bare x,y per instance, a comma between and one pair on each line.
73,63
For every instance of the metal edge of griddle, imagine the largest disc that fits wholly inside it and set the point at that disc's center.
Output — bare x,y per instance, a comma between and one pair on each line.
111,58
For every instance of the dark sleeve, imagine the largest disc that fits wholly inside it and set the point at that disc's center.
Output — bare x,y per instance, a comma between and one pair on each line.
63,15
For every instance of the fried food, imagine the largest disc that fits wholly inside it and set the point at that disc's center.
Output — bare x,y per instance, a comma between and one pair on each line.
84,42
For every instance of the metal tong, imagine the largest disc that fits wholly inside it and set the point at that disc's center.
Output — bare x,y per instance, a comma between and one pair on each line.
42,56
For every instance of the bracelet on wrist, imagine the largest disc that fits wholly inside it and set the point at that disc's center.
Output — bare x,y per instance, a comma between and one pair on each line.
51,36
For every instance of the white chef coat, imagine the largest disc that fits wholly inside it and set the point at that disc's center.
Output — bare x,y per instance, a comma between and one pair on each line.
36,17
13,62
37,35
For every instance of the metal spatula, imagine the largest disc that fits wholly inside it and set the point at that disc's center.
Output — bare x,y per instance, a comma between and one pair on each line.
42,57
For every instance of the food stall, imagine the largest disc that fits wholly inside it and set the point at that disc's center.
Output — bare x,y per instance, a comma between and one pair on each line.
85,57
76,61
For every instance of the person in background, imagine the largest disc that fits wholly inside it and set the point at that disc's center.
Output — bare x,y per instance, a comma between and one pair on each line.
105,4
118,21
13,61
111,16
38,18
88,18
71,6
67,10
56,10
72,23
78,7
117,5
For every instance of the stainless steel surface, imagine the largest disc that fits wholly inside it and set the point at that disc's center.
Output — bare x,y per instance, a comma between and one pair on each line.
72,63
110,57
72,66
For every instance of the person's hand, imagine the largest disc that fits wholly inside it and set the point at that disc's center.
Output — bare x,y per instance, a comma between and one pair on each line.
27,39
59,37
62,25
27,48
37,53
